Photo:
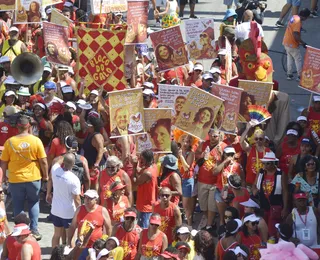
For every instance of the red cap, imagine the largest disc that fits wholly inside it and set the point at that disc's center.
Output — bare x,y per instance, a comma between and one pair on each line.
184,247
300,196
155,221
120,186
130,214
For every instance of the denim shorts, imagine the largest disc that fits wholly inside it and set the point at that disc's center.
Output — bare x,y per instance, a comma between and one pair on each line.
217,196
187,187
61,222
294,2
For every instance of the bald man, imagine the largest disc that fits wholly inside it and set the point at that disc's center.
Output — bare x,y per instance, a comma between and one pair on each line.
66,195
243,29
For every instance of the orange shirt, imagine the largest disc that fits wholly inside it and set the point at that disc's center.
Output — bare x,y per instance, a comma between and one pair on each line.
56,148
116,210
167,219
95,218
150,248
205,171
222,178
254,164
294,25
129,241
106,180
253,243
146,193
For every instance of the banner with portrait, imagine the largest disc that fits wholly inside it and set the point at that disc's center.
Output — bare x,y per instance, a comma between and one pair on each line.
198,113
51,2
108,6
126,112
137,19
27,11
56,43
158,127
101,58
169,48
7,5
227,117
254,93
200,38
58,18
174,97
310,75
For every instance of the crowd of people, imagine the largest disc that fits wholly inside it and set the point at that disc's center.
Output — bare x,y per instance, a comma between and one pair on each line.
256,187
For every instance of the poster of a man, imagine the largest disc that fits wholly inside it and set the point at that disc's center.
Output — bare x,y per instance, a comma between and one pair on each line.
122,122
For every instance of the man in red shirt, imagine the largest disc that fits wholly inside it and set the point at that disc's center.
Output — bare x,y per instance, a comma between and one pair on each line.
169,212
30,248
146,181
128,234
6,130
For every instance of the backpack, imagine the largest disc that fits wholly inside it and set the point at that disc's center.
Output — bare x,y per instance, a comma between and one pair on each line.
78,169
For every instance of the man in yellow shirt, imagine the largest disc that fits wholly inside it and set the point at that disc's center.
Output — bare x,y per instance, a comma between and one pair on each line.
26,161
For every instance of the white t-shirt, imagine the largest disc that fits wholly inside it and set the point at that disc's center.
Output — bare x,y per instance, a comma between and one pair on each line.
65,185
243,30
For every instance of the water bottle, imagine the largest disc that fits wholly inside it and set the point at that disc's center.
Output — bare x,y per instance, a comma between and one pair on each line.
206,153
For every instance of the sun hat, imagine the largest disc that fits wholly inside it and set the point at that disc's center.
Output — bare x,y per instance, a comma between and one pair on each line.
230,13
85,106
170,161
198,67
233,226
148,92
207,75
250,204
94,92
11,81
21,230
24,91
91,194
284,229
269,157
251,218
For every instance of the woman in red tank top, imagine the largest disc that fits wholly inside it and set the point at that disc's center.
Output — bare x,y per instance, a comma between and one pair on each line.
249,236
186,165
255,152
226,167
153,242
289,147
229,240
90,217
170,178
117,203
112,173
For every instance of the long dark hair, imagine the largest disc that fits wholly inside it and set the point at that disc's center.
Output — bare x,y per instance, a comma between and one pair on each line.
204,244
245,228
306,159
197,116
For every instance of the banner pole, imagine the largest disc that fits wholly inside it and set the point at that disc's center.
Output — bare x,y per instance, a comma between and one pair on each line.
175,70
310,100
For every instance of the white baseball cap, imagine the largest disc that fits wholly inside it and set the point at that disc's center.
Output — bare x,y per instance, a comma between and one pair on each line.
13,29
71,105
316,98
183,230
46,68
4,59
198,67
215,70
292,132
302,118
10,93
91,194
94,92
229,149
148,84
148,91
67,89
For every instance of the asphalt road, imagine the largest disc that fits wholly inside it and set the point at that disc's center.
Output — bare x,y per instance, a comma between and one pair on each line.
273,38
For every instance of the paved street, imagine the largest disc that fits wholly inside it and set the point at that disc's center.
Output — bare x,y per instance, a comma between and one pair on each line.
273,38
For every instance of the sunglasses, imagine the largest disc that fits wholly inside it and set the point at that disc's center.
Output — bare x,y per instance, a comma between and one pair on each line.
165,195
254,223
198,71
111,167
268,163
229,154
227,217
310,164
214,135
88,198
129,218
259,139
203,35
